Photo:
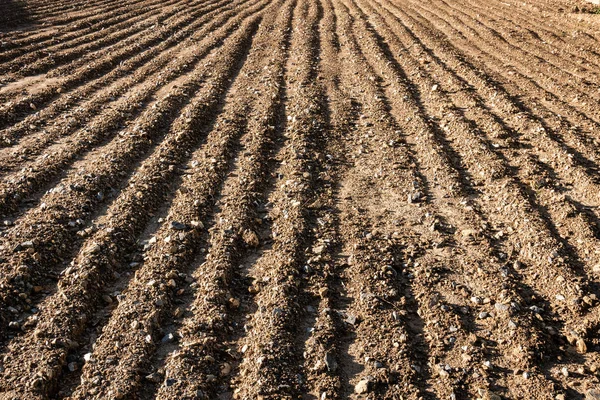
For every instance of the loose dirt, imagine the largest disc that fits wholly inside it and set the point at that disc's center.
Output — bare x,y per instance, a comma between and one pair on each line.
293,199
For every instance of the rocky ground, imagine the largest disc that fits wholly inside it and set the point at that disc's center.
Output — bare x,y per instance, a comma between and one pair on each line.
294,199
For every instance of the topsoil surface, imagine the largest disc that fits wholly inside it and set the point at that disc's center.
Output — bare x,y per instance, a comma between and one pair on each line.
296,199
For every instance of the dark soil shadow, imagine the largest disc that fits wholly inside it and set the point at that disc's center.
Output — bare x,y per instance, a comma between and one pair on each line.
14,15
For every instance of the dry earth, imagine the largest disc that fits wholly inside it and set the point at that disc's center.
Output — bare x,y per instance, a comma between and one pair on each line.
296,199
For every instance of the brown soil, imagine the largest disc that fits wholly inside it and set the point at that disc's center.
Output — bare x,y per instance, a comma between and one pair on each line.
293,199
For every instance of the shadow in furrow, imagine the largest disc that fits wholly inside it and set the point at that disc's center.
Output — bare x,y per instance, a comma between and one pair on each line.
464,176
529,194
14,15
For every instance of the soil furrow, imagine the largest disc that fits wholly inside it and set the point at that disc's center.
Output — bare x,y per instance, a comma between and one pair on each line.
557,113
526,170
24,183
528,43
75,57
395,90
12,111
203,335
107,248
555,40
171,248
65,208
286,199
495,97
558,24
382,300
551,143
81,26
271,362
25,14
533,67
78,109
53,85
327,367
53,56
486,165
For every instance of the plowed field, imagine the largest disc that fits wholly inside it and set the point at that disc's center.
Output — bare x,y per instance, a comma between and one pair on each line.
297,199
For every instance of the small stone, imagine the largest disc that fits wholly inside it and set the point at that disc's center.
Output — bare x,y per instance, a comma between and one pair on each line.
251,238
235,303
501,307
319,249
107,299
323,292
72,366
154,377
351,319
168,338
468,233
225,369
581,346
565,372
588,300
483,315
536,309
87,357
178,226
434,88
330,362
170,382
415,197
197,224
14,325
362,387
